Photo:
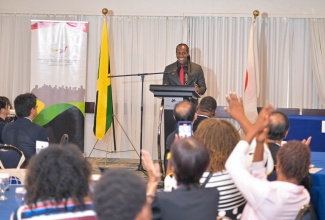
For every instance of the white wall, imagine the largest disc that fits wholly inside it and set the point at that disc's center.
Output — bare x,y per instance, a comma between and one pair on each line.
231,8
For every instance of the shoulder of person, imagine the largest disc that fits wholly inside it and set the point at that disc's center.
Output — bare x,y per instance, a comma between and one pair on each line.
172,65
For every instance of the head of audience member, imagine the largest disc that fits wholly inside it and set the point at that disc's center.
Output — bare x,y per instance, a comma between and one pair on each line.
182,53
25,105
184,111
207,107
121,195
4,107
220,138
279,126
293,160
57,173
190,158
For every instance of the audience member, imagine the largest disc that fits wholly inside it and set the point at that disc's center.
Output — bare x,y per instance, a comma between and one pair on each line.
189,159
183,111
281,199
278,130
4,113
220,137
121,195
206,109
23,133
57,185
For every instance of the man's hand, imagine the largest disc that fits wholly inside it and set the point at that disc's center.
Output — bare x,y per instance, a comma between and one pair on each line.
197,88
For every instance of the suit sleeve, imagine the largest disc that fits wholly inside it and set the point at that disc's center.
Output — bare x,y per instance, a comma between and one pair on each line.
43,135
165,78
201,82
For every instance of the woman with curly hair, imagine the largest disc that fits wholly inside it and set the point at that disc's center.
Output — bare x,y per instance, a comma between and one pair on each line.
57,185
221,137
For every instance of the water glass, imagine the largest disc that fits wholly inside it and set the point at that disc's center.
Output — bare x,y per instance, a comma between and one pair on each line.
20,195
4,185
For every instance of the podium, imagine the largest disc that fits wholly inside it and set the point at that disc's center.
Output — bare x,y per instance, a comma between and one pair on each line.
171,95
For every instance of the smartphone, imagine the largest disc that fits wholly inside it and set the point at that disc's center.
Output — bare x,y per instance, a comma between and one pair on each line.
185,129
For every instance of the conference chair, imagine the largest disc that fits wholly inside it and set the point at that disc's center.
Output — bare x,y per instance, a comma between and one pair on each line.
10,156
64,139
287,111
315,112
306,212
221,112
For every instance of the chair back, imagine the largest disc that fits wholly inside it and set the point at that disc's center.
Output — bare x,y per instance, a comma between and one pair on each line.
11,157
287,111
306,212
221,112
316,112
64,139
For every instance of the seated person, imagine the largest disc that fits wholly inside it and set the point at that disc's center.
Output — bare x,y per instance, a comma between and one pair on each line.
206,109
221,137
189,159
23,133
281,199
57,185
121,195
4,113
183,111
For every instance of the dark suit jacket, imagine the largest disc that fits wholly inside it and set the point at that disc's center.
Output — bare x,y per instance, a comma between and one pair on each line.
198,120
2,124
197,203
23,134
194,71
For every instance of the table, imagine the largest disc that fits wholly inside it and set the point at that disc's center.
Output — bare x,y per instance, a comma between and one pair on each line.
9,205
317,191
303,126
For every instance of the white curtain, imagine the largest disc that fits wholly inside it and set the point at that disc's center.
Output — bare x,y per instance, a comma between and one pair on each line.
141,44
317,35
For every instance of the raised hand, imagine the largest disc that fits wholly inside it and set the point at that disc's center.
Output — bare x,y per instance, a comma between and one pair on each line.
307,142
236,108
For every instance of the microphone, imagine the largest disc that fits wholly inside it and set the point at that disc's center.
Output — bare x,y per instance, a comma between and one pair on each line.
186,78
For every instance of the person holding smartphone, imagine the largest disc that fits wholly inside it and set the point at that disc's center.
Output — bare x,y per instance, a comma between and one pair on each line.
183,111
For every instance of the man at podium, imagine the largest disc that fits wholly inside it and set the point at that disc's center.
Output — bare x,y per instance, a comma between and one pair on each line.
184,72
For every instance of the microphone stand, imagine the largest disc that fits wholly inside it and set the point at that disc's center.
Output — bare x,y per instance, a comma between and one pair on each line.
142,75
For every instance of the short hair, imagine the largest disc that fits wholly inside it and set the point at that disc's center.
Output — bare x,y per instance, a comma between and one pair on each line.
184,111
58,172
190,158
119,195
24,104
182,44
208,104
220,137
294,160
279,125
4,101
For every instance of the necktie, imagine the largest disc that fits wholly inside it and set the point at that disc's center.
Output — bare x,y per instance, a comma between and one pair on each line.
181,74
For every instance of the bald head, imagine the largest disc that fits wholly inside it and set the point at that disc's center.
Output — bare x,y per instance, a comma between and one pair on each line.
184,111
279,126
